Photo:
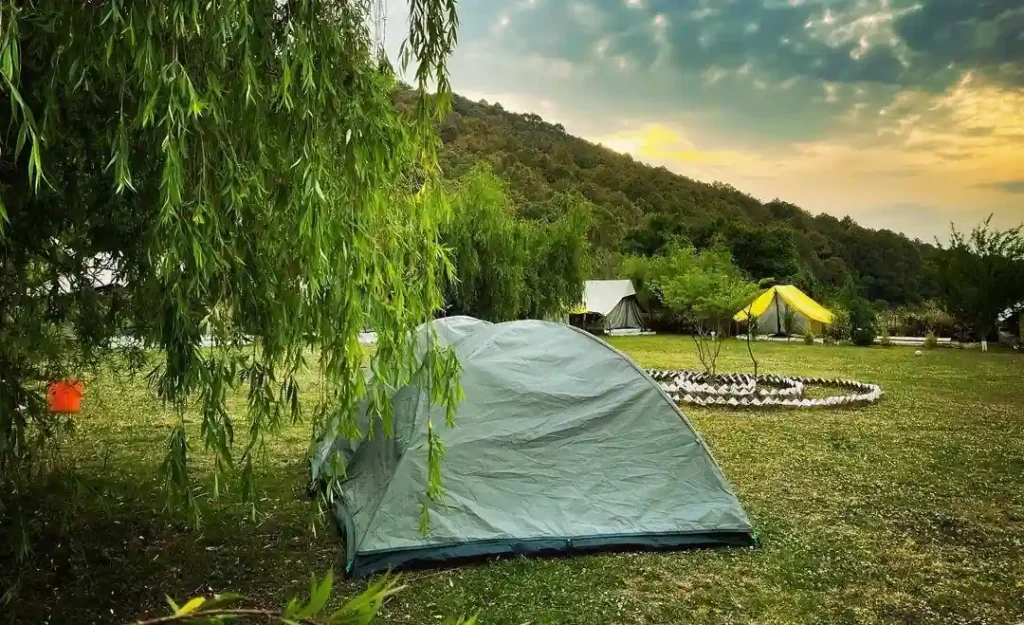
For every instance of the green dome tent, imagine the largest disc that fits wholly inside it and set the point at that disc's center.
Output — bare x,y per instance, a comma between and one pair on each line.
562,445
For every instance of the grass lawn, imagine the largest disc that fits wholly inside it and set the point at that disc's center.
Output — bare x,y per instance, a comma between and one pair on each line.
910,511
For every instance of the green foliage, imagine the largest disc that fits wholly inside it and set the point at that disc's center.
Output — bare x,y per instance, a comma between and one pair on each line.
841,327
885,341
931,341
486,250
641,210
789,322
240,168
508,267
916,320
359,610
705,284
764,252
559,260
809,337
863,337
862,322
705,287
982,275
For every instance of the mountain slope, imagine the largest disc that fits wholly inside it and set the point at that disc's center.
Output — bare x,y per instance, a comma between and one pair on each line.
639,208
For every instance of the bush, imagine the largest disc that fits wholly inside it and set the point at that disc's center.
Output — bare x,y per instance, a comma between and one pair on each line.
885,341
930,341
789,322
828,340
840,328
809,338
915,321
862,320
863,336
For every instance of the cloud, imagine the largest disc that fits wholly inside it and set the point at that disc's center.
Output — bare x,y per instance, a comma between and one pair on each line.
1006,186
977,34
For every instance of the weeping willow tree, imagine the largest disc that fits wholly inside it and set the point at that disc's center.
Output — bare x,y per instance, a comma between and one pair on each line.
229,183
508,267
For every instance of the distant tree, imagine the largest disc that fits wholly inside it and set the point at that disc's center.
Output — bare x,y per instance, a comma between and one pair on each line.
509,268
558,259
753,329
763,252
706,288
834,272
489,259
981,275
450,128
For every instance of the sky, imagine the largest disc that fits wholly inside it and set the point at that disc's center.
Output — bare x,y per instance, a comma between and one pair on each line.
903,114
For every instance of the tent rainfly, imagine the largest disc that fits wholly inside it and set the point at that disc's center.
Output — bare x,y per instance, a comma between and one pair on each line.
612,302
562,445
770,310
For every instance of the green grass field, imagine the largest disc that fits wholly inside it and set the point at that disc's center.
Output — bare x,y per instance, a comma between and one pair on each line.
910,511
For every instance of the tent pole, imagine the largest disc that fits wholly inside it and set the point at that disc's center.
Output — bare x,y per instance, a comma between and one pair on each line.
778,320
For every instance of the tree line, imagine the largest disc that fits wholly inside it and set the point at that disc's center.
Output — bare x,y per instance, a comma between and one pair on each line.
642,210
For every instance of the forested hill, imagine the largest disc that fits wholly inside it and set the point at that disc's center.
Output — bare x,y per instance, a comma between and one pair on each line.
638,208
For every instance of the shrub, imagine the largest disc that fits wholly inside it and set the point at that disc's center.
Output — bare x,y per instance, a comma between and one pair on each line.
840,328
885,341
863,336
789,322
828,340
915,321
809,338
891,322
930,341
862,321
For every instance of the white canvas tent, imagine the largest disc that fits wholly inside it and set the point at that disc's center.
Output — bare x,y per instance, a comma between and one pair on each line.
609,305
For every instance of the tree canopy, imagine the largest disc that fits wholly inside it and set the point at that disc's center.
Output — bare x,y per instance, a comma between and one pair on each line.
239,170
983,276
508,267
705,287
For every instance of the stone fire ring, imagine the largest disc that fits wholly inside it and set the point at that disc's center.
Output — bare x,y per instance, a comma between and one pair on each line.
742,390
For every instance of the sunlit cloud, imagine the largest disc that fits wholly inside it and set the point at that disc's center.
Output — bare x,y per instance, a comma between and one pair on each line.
956,151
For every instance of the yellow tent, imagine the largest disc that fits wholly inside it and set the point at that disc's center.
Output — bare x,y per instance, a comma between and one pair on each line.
771,306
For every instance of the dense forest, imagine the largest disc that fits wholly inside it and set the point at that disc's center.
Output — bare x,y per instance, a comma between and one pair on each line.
639,209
